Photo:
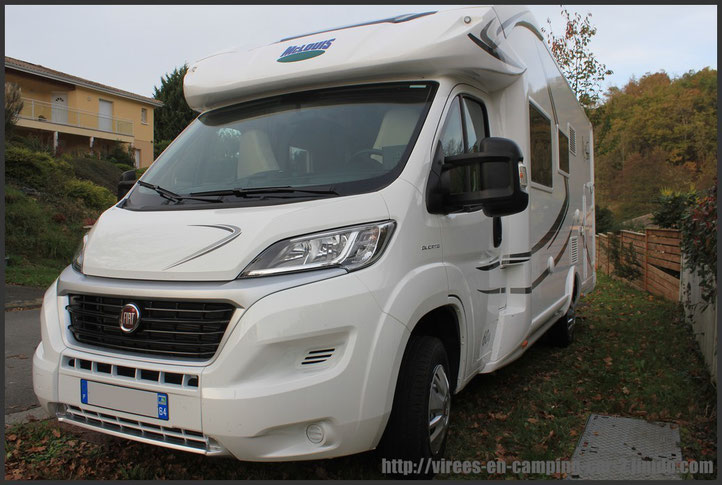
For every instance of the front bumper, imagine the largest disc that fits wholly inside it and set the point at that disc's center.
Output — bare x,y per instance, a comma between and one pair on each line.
265,396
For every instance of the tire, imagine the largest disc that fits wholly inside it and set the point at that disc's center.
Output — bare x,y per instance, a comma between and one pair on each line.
423,394
561,334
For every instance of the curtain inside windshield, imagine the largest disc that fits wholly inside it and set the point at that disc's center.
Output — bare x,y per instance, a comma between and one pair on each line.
333,138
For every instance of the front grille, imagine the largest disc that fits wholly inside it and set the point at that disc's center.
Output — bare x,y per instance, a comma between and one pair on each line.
190,329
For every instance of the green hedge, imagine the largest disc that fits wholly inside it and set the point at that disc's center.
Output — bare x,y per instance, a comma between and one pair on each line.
93,196
100,172
35,169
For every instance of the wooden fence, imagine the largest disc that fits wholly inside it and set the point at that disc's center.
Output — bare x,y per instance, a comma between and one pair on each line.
655,254
658,258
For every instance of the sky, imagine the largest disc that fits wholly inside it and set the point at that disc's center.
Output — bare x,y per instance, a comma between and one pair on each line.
131,47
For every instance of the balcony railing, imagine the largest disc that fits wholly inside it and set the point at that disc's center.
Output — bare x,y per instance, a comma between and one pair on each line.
43,111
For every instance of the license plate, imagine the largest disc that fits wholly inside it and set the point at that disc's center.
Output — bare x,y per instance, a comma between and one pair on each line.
125,399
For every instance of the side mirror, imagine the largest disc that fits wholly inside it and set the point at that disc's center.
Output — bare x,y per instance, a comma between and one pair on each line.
488,179
127,180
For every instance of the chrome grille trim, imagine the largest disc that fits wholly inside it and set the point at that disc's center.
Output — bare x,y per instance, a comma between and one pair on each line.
169,437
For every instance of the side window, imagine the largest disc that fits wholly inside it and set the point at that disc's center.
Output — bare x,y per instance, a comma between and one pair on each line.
465,127
475,123
563,152
452,136
540,129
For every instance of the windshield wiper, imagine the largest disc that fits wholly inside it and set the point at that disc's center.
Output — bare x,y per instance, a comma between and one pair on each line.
261,191
167,194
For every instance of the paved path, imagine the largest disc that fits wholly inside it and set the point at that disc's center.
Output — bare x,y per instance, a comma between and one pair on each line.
22,336
23,296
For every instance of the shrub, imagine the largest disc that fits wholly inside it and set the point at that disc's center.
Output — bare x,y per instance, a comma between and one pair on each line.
119,153
93,196
624,258
34,143
604,220
159,146
672,205
23,215
699,242
13,105
100,172
26,167
124,168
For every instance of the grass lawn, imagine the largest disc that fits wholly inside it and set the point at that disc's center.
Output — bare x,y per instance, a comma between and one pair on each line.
39,274
633,356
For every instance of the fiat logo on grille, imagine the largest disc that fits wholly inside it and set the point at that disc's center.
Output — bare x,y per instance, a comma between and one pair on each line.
129,318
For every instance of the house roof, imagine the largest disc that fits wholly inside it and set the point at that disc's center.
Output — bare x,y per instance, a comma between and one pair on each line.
38,70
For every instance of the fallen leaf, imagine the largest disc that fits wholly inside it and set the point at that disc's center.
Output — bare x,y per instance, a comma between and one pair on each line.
625,390
532,420
56,433
11,437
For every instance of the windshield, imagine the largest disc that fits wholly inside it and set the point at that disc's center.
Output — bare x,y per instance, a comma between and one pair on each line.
323,143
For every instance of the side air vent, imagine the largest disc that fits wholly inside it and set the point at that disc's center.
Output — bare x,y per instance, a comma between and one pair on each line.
572,141
573,250
317,356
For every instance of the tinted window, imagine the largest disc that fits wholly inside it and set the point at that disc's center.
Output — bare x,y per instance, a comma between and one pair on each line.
540,128
452,136
475,122
563,152
353,140
463,136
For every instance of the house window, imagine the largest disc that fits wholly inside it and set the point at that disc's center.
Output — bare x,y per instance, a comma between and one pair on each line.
563,152
540,129
144,116
136,152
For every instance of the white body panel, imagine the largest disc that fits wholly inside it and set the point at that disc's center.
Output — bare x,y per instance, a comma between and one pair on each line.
253,398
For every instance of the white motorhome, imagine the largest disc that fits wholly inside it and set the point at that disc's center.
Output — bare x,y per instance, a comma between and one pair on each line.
359,222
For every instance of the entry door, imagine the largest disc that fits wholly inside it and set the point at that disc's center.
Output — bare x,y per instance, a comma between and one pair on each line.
59,105
468,237
105,115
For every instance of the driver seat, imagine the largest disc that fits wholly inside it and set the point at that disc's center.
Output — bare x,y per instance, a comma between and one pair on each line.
395,130
255,154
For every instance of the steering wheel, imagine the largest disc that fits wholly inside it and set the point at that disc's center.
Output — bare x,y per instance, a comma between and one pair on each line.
367,152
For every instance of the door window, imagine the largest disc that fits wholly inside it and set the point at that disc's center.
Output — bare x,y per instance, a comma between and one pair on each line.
475,122
466,125
452,136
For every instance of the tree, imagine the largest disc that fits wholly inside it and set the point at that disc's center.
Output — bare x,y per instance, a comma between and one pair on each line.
655,132
572,52
13,105
175,114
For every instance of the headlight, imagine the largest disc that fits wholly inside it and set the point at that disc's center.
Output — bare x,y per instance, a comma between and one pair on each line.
78,259
351,248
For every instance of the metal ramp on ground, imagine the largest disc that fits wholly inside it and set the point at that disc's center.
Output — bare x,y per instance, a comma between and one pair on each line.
616,448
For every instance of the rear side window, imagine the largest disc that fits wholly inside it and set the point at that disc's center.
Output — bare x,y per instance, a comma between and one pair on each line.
540,129
563,152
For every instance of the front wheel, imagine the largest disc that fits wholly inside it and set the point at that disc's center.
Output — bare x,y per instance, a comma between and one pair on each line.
419,422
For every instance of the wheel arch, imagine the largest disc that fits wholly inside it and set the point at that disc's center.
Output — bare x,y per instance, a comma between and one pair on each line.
446,323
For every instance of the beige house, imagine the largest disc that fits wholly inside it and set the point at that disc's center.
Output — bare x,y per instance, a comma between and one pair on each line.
78,115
